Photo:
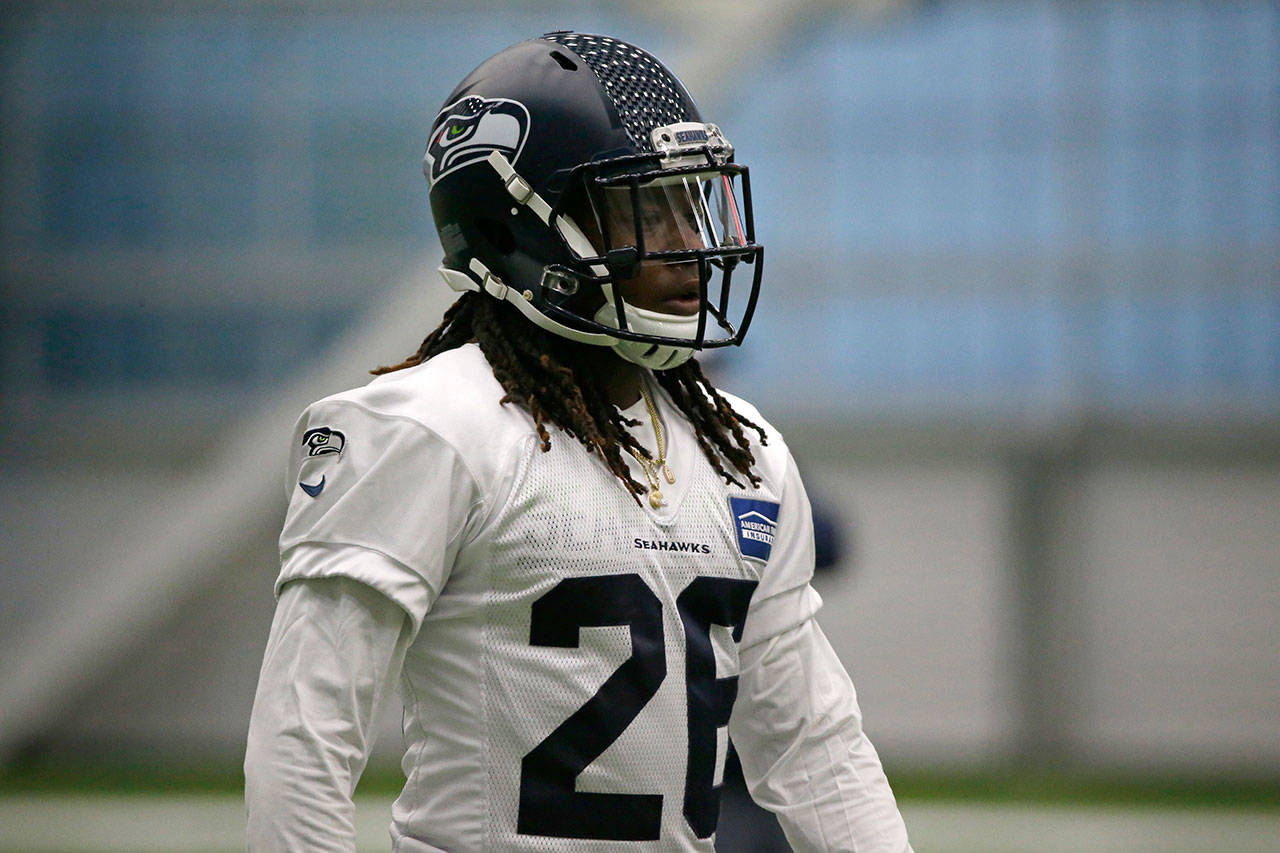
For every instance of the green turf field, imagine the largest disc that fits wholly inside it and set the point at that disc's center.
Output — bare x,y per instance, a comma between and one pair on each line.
119,806
70,822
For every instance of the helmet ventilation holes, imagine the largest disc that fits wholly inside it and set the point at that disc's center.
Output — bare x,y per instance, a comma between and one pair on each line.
563,61
641,88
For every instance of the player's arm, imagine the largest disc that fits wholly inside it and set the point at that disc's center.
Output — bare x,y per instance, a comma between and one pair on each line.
377,508
804,755
796,722
333,656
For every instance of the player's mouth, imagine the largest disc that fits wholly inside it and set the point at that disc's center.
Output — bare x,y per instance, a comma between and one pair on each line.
685,303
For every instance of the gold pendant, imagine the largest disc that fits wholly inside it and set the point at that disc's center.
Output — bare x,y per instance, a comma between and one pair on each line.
655,498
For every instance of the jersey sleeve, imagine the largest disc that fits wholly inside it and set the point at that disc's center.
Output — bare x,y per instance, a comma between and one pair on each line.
335,651
796,722
805,757
378,498
784,598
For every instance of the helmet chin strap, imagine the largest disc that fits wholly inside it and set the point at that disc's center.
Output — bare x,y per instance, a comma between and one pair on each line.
652,356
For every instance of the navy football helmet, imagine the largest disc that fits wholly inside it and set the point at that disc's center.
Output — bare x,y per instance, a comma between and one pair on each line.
557,170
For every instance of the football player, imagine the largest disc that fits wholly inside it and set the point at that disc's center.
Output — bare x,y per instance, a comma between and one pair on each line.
584,567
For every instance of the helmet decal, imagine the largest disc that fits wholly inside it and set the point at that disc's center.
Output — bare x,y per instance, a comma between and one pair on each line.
466,131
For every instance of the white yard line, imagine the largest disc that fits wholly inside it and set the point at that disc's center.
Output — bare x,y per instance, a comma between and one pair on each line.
176,824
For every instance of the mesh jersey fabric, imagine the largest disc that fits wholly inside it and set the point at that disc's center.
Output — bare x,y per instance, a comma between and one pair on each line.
573,649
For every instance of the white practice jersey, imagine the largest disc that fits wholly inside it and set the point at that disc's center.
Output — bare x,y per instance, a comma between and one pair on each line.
573,665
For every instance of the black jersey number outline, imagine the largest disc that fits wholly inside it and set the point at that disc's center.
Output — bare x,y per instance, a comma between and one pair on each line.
549,805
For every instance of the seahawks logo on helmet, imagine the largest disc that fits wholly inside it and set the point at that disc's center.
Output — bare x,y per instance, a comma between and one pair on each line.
466,131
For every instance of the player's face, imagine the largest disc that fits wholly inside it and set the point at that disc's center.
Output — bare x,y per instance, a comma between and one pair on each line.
668,288
687,213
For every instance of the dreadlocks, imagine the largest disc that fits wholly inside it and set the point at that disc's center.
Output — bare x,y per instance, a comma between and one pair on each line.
546,375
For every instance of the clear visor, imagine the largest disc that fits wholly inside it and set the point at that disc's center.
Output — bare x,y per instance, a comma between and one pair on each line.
670,214
668,246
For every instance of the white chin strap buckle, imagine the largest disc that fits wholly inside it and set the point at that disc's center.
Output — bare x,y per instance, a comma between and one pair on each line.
482,279
492,285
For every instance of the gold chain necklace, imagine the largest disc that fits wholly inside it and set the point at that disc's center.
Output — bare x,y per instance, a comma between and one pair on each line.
650,466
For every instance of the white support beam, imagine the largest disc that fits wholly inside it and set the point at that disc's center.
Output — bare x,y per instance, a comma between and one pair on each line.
175,548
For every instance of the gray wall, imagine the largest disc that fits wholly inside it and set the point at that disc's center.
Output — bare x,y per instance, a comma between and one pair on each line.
1158,650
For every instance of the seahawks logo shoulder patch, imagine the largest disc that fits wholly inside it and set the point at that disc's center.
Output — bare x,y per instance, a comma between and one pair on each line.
321,446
